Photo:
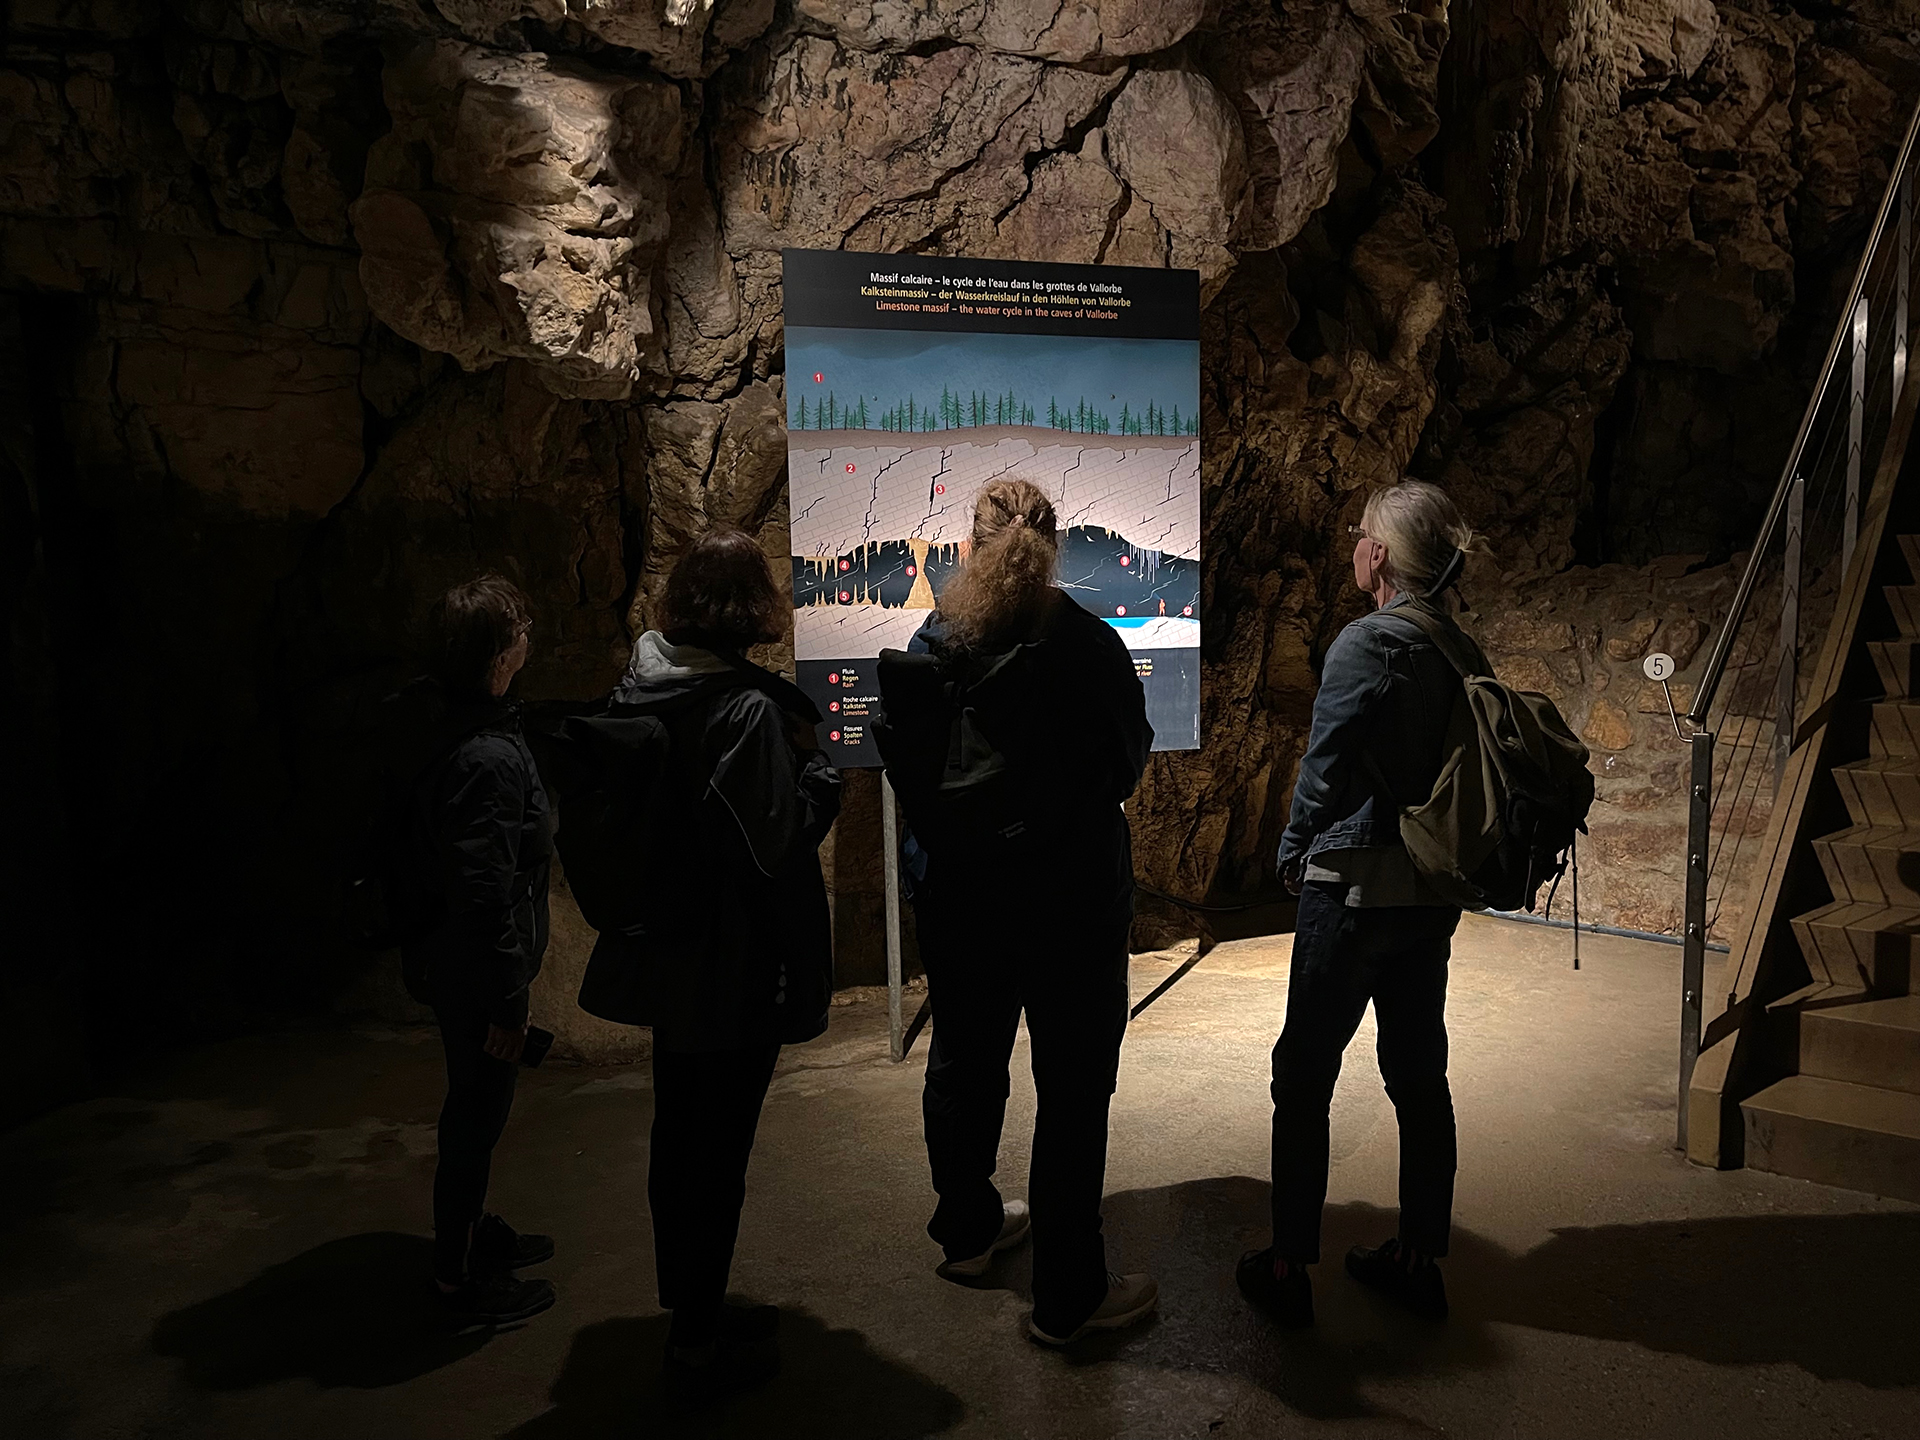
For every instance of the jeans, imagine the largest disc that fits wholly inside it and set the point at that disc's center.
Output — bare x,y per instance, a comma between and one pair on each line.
1069,973
479,1097
706,1108
1342,957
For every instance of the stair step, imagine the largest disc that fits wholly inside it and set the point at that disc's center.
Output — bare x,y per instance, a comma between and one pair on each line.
1896,662
1904,601
1872,862
1896,727
1874,1042
1836,1133
1880,942
1885,791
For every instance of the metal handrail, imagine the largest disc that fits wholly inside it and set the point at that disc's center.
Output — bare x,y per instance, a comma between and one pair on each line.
1749,578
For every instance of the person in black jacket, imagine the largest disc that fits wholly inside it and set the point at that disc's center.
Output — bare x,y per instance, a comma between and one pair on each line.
480,826
1022,883
731,953
1370,927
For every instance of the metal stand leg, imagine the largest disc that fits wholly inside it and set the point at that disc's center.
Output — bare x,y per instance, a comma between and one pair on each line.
890,839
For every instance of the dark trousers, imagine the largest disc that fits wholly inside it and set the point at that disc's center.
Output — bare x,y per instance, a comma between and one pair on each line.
479,1097
1069,973
706,1107
1342,958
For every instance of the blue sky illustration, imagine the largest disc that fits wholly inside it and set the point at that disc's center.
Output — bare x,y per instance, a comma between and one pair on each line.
887,365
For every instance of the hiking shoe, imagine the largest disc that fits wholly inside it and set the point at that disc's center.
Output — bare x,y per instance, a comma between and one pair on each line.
1287,1302
1130,1299
1014,1225
497,1300
1418,1287
498,1248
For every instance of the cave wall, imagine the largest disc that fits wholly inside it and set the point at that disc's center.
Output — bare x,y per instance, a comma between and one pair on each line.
323,305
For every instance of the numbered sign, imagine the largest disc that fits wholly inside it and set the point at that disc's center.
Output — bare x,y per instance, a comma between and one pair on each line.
1659,667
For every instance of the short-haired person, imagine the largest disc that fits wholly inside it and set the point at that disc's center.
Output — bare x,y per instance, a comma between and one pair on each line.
1024,908
734,954
1369,927
480,820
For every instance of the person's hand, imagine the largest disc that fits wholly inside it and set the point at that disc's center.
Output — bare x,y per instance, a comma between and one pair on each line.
804,734
505,1044
1290,874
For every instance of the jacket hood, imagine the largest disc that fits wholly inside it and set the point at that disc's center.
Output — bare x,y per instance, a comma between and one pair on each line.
659,672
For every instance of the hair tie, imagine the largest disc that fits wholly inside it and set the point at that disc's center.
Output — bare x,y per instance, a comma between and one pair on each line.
1450,574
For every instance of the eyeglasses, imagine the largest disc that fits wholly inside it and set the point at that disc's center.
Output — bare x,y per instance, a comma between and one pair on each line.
1358,532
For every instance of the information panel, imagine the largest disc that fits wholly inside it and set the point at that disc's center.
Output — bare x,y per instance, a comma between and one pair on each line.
912,381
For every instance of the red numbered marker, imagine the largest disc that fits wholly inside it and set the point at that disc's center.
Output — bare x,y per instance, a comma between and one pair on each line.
1187,611
846,595
818,377
834,735
846,564
911,572
1126,560
939,489
850,467
1119,609
833,677
833,707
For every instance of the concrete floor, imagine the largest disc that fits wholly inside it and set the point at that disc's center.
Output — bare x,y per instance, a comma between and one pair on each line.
235,1248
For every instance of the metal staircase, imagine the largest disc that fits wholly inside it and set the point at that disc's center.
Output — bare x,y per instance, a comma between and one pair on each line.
1804,844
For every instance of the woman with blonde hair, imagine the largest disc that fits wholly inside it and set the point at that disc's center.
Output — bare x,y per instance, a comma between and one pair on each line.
1370,927
1015,727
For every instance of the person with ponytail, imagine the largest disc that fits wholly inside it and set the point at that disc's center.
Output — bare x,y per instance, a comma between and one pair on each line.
1014,729
1370,928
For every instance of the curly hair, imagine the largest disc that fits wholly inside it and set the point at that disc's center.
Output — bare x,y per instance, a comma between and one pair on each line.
722,594
1010,566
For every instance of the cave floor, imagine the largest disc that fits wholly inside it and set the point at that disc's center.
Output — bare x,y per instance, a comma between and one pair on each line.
234,1247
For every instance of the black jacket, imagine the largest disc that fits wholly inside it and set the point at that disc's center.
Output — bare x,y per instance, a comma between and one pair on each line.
480,821
737,946
1386,695
1075,727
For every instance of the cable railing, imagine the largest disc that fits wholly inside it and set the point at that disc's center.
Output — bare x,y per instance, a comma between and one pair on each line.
1750,707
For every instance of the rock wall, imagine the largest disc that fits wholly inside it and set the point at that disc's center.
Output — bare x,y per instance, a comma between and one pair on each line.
326,304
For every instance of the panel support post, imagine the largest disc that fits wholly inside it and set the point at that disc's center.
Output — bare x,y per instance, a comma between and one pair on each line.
1903,271
1693,950
890,839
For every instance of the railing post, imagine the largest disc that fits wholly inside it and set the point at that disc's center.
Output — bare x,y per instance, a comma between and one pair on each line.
1903,266
1693,950
1856,432
1786,700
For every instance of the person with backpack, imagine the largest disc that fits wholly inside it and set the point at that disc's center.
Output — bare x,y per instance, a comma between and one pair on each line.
692,807
1371,925
1014,729
474,920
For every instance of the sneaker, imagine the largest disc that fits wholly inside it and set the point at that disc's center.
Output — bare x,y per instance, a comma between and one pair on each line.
497,1299
1287,1302
1014,1225
1418,1287
498,1248
1130,1299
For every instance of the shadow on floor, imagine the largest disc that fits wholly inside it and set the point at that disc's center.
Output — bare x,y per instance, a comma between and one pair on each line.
1833,1294
831,1386
355,1312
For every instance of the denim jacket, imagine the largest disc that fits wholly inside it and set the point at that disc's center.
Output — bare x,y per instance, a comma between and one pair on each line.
1386,693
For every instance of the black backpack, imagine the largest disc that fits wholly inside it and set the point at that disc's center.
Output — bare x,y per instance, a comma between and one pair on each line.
949,739
624,792
1514,787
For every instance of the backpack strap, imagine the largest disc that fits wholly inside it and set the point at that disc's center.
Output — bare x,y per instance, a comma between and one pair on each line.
1446,637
